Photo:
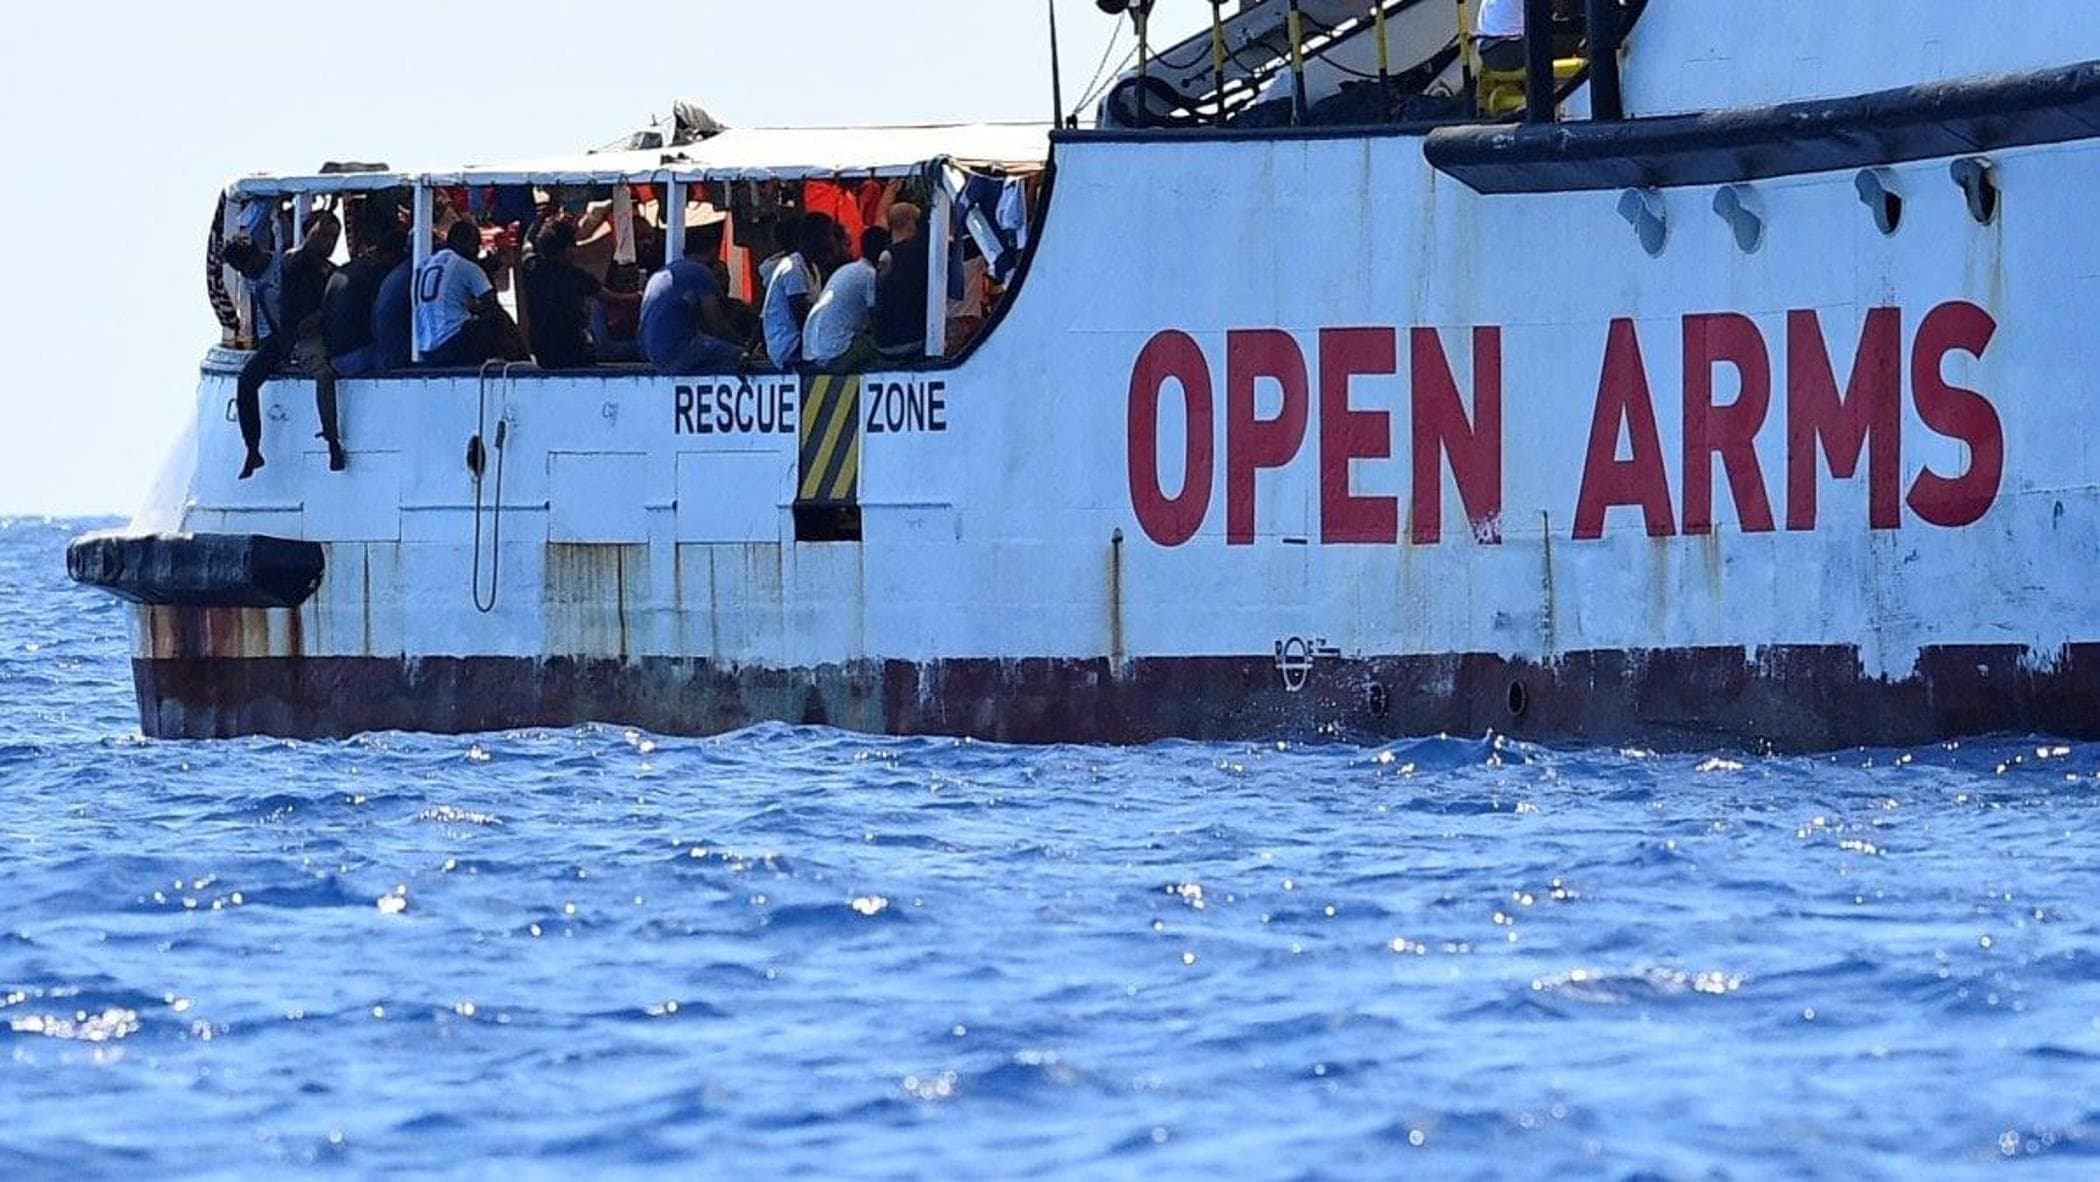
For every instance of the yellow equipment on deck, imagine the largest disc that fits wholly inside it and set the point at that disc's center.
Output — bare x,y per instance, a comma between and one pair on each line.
1502,91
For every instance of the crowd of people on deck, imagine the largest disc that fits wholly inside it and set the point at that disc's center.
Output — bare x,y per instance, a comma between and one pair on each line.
823,300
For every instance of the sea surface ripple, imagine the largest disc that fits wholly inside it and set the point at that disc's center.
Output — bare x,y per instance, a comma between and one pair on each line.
792,952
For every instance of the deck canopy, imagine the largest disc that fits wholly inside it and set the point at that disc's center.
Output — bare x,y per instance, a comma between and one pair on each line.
755,154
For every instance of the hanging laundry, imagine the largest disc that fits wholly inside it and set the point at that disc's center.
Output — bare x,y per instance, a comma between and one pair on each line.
876,197
1000,204
1013,225
835,201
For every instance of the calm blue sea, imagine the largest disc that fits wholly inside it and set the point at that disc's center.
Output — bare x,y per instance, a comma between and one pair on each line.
806,953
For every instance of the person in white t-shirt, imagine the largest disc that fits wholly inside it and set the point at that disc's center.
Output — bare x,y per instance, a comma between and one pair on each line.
836,337
1498,29
458,319
792,287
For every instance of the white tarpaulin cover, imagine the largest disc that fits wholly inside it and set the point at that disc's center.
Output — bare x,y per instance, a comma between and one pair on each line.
737,154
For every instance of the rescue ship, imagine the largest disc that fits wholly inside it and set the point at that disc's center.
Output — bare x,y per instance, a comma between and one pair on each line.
1726,383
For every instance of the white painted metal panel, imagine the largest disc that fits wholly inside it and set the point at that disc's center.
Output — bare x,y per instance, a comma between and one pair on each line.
733,496
598,496
367,509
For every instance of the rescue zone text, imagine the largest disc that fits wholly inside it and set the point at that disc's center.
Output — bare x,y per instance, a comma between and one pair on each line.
772,406
1824,426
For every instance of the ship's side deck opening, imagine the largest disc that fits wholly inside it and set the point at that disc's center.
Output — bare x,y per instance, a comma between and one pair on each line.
722,257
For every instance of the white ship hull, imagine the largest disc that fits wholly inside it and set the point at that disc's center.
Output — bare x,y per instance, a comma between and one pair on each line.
1281,435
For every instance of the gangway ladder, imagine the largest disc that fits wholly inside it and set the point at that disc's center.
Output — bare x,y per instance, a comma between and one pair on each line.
1221,70
490,508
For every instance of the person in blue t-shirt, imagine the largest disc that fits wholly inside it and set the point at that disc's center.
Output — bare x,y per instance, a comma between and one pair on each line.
349,310
685,322
393,328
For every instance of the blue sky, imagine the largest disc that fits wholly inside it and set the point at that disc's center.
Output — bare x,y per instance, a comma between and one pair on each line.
120,123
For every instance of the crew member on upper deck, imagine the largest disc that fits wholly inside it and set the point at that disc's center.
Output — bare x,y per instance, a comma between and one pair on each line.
1498,29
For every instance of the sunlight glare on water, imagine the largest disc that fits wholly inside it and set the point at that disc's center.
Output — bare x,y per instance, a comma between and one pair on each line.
592,951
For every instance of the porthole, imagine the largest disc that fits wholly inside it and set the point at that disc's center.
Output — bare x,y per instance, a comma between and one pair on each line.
1743,210
1644,210
1978,179
1878,192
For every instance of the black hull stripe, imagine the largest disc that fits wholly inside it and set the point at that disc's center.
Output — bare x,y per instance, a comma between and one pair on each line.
1795,698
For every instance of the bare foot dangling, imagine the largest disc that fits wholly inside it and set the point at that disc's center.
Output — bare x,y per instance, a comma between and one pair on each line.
255,461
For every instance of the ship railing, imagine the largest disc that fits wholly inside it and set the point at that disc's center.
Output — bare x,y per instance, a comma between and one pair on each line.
660,200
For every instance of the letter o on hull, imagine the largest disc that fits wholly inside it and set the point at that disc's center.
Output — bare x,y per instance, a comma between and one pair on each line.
1171,520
